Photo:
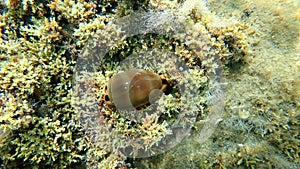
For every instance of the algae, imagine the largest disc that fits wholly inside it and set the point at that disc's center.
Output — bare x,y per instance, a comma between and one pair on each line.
250,47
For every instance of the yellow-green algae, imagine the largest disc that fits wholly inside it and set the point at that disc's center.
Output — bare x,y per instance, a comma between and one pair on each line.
258,42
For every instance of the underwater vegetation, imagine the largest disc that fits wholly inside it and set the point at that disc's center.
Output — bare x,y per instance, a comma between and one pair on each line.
233,102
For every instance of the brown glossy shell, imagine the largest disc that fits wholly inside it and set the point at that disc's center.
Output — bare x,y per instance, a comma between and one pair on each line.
131,89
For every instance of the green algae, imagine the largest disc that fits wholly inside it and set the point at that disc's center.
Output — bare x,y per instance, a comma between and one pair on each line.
260,127
256,42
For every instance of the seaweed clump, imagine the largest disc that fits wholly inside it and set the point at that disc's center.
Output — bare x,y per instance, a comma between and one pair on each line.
38,51
260,122
40,44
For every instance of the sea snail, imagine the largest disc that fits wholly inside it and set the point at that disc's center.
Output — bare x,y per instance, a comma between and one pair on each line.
134,88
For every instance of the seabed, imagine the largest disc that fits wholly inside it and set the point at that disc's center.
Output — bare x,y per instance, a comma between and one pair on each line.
240,109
